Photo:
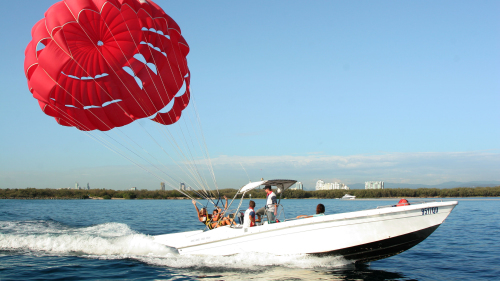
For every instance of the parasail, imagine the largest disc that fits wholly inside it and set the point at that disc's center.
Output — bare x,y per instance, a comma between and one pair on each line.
98,65
101,64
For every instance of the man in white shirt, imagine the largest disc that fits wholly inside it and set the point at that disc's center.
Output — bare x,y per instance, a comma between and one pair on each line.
270,208
249,218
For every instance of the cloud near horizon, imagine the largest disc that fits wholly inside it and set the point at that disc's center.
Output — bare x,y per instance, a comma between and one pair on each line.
417,168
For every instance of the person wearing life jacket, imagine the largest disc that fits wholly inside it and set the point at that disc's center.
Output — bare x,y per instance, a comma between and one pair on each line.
249,218
203,216
218,218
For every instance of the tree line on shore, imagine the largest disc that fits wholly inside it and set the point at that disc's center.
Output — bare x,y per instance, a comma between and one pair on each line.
34,193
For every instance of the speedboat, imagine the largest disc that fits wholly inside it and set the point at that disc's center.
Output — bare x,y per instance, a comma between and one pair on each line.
348,196
360,236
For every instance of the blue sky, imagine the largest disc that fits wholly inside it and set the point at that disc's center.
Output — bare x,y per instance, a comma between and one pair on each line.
400,91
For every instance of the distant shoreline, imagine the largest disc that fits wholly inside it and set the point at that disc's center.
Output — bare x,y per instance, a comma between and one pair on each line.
496,198
473,193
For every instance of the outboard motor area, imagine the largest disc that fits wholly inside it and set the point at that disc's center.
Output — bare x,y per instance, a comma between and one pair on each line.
241,217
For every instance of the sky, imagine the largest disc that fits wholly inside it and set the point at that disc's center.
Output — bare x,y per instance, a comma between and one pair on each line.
348,91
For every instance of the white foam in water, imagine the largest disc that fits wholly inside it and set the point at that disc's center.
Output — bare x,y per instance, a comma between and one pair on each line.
52,227
52,238
117,241
246,261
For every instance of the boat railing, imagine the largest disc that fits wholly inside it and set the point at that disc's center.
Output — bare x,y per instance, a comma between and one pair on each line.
280,215
411,203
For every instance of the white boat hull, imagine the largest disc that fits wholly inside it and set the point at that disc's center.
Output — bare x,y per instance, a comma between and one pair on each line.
361,236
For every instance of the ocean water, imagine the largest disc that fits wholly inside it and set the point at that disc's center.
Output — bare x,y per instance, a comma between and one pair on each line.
112,240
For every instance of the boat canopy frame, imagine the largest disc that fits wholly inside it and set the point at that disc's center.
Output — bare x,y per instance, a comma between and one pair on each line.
282,185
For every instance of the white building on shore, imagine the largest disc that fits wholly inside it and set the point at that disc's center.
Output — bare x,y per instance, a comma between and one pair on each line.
374,185
321,185
298,186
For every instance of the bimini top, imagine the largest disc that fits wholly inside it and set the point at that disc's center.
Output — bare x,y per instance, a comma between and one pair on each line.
281,185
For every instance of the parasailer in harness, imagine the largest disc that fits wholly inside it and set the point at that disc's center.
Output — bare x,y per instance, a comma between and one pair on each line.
218,217
203,217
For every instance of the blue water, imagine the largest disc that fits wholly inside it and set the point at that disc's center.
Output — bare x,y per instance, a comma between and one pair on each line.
111,240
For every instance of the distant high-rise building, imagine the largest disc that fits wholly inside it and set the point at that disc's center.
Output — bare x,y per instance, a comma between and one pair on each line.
162,186
133,188
298,186
88,186
374,185
183,186
77,186
321,185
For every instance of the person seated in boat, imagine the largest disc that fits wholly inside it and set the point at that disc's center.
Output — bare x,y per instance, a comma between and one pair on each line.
218,217
215,217
270,208
249,218
203,216
320,211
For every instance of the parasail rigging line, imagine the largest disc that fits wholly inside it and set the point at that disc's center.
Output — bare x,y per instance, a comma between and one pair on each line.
205,144
144,89
204,151
190,160
119,152
161,79
108,144
81,124
245,171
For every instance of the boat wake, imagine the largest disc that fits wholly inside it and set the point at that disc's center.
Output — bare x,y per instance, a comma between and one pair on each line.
53,238
118,241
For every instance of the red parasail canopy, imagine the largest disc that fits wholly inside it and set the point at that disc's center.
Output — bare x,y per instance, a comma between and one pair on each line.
101,64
